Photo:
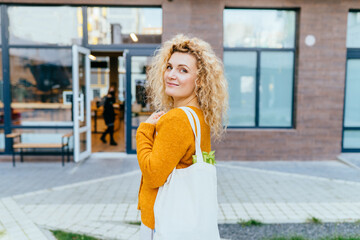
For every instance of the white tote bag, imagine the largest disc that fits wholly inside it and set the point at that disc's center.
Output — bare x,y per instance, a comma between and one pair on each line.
186,205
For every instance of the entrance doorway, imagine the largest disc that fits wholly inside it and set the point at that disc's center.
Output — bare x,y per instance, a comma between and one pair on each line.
126,72
107,71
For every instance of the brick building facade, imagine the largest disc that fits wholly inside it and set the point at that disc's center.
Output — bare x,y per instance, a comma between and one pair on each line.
319,71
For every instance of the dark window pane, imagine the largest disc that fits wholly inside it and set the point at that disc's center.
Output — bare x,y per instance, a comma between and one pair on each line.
276,84
352,139
118,25
45,25
240,68
2,140
0,25
353,30
352,96
40,80
259,28
1,92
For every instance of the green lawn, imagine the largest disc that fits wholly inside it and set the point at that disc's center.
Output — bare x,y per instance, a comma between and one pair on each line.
60,235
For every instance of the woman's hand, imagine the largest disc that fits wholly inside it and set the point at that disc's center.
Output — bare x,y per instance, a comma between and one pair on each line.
154,118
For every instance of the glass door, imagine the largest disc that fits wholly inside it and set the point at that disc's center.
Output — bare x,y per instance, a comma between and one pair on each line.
137,107
351,127
81,102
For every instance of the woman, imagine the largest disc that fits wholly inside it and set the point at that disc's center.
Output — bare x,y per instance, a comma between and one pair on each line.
109,116
184,72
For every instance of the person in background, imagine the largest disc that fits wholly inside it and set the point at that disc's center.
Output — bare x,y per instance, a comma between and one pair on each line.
109,116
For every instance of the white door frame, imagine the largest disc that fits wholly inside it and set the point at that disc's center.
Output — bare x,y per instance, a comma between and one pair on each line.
79,114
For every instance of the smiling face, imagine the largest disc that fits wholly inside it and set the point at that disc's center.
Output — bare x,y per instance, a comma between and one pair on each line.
180,76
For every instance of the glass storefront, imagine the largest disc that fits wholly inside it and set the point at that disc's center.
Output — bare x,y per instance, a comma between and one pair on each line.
39,25
41,85
39,55
259,53
121,25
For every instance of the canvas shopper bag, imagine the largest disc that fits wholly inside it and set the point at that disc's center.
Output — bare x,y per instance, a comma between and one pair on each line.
186,205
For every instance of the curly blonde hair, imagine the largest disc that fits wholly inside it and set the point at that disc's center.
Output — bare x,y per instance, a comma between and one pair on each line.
210,85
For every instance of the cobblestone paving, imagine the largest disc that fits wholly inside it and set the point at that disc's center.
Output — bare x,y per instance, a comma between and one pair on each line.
99,196
33,176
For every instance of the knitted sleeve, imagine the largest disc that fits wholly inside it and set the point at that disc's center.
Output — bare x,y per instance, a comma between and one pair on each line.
159,155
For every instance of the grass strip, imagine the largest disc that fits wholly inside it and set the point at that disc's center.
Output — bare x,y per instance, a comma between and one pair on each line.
314,220
60,235
324,238
138,223
251,222
286,238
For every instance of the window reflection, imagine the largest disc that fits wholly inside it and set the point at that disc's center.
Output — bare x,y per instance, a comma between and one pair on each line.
353,30
110,25
40,82
259,28
45,25
139,105
240,68
276,86
352,139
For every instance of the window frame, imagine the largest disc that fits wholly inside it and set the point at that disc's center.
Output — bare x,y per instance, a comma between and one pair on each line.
351,53
258,51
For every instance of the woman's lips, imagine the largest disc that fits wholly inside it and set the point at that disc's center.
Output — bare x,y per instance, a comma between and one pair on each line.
172,84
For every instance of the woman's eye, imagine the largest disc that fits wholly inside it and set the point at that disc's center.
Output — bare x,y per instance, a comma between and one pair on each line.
168,67
183,70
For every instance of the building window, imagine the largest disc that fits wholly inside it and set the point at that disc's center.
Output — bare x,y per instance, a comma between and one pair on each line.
122,25
351,123
259,53
40,81
43,25
353,30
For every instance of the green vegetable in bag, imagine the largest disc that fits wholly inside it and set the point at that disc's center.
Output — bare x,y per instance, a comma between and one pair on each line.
208,157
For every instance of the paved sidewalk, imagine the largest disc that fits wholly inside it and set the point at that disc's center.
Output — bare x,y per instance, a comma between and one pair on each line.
99,196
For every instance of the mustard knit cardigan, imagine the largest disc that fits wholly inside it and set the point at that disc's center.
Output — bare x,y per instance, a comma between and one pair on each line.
158,154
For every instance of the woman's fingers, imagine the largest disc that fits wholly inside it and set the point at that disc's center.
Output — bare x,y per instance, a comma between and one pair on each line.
154,118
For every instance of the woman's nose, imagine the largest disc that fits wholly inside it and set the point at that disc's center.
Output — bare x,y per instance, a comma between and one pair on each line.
172,74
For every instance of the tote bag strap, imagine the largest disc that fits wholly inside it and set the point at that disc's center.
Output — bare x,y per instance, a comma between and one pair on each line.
191,116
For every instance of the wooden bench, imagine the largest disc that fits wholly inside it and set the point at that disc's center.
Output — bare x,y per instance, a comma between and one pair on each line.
21,146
